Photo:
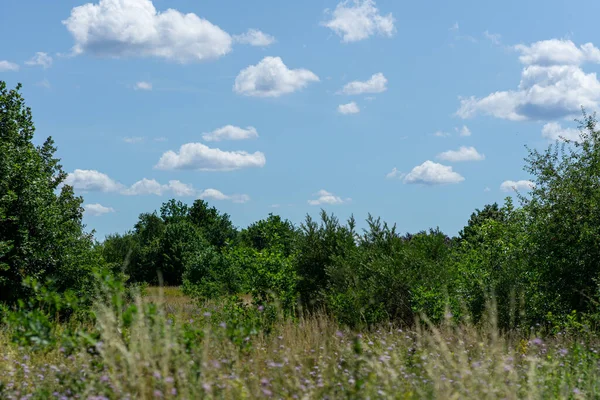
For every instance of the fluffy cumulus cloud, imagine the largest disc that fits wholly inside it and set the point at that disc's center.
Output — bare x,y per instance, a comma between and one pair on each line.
145,187
553,131
214,194
230,132
553,84
462,154
92,181
557,52
350,108
431,173
6,66
355,20
254,37
326,198
95,210
42,59
376,84
198,156
143,86
509,186
272,78
134,28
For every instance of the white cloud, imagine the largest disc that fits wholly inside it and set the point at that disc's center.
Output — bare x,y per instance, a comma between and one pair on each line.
143,86
181,189
145,187
487,189
552,85
441,134
462,154
350,108
255,37
197,156
324,197
42,59
495,38
161,139
230,132
376,84
8,66
215,194
151,186
395,174
272,78
431,173
134,28
355,20
96,209
92,180
464,131
509,186
557,52
553,131
454,27
133,139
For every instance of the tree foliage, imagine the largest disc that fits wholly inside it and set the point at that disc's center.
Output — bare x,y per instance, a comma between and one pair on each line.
41,230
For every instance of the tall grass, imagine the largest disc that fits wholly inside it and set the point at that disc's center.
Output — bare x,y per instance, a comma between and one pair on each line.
173,352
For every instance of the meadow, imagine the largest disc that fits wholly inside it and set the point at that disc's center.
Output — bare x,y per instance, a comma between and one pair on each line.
172,347
185,305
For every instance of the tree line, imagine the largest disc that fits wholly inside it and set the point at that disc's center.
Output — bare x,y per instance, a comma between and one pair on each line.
539,260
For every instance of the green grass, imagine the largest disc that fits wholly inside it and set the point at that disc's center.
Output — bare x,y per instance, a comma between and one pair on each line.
181,351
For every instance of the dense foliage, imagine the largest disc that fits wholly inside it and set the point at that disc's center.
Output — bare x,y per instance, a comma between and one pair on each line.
41,230
538,260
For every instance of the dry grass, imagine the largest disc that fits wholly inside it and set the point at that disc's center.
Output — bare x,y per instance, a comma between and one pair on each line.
158,357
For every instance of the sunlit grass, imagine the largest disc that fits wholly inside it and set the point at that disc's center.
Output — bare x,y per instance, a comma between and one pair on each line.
162,355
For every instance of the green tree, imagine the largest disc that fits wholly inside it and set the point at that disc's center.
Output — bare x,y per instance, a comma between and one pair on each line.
216,228
271,232
41,230
319,244
564,219
489,212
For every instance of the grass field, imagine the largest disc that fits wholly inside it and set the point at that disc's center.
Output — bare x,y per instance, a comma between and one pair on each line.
190,351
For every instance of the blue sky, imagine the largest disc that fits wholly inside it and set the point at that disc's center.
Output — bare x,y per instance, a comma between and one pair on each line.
417,112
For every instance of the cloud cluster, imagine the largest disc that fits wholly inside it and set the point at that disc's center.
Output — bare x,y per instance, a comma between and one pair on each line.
523,185
96,210
552,86
230,132
6,66
355,20
376,84
254,37
350,108
431,173
134,28
143,86
326,198
94,181
198,156
462,154
553,131
272,78
214,194
42,59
